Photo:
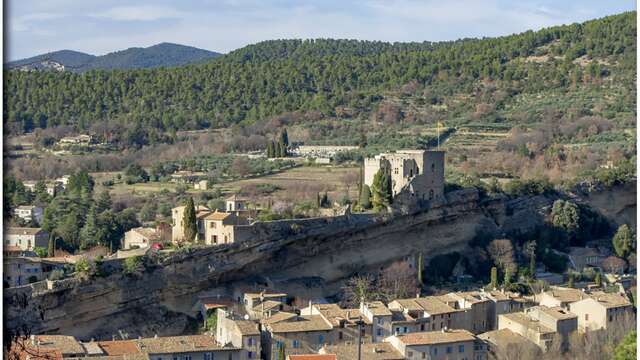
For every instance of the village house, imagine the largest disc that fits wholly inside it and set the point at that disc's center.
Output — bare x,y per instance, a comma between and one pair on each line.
541,324
380,317
481,309
52,187
189,347
235,204
583,257
82,139
350,323
420,173
139,237
320,151
26,238
437,345
561,297
220,228
296,334
19,271
201,185
208,306
505,302
238,333
505,341
369,351
29,213
264,305
431,313
602,311
214,227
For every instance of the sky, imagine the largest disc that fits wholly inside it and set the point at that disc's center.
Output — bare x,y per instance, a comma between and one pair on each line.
98,27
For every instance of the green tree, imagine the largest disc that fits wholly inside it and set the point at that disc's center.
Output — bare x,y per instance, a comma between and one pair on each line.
420,268
570,282
381,189
51,249
365,197
507,278
598,279
40,251
189,221
104,202
284,137
271,152
494,278
622,241
565,215
627,349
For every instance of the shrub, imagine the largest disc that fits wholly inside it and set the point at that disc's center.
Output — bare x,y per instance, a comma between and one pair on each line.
133,265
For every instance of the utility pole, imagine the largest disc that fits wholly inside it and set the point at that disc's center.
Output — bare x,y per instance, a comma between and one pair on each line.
360,322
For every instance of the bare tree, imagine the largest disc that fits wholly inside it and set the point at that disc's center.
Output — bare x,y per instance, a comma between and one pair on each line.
501,252
398,281
358,289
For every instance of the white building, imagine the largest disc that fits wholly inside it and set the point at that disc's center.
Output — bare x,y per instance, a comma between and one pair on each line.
29,213
26,238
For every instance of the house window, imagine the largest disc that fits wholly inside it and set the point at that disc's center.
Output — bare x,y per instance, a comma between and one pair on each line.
379,332
340,335
424,355
207,356
460,348
397,330
433,167
379,321
321,339
250,342
430,194
296,343
405,329
449,349
214,238
250,355
421,327
610,318
410,353
586,317
212,225
435,351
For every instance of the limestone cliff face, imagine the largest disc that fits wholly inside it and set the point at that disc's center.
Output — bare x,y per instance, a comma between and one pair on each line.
327,250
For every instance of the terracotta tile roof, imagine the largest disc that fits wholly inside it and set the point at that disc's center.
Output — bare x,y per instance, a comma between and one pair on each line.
370,351
65,344
281,316
555,312
401,317
335,314
610,300
532,324
377,308
119,347
434,306
302,323
567,295
407,304
436,337
268,305
266,295
178,344
145,231
22,231
204,214
312,357
504,337
217,215
247,327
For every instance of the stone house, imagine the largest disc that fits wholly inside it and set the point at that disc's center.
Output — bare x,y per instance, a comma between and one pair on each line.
296,334
263,305
506,341
582,257
220,228
369,351
177,224
236,204
480,309
190,347
439,345
541,324
431,313
380,317
26,238
561,297
420,173
29,213
602,311
346,321
139,237
238,333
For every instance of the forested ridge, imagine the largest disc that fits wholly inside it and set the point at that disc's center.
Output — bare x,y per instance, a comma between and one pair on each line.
324,76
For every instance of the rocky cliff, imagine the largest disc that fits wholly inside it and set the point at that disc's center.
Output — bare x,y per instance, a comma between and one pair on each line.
315,255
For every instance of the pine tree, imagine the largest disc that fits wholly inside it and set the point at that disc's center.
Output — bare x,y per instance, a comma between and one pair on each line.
318,200
104,202
494,278
189,221
284,137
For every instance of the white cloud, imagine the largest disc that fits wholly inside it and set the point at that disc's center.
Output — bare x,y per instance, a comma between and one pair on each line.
140,13
29,22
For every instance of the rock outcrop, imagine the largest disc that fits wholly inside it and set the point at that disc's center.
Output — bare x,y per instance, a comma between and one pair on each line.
322,251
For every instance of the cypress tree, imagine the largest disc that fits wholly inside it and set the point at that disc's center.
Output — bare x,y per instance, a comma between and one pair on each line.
51,251
189,221
381,190
270,150
284,137
507,278
420,269
365,197
598,280
494,278
570,282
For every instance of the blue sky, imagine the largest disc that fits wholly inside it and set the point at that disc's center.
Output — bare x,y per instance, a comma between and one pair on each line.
101,26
